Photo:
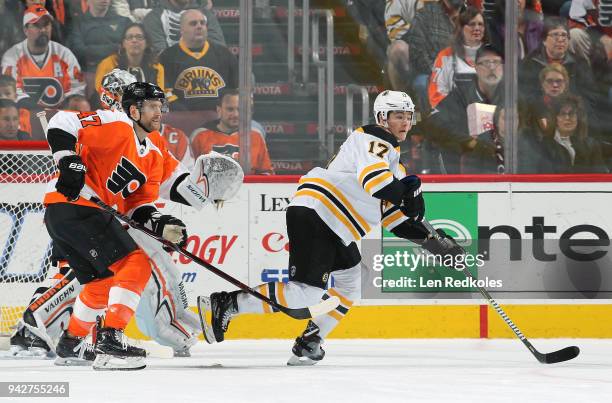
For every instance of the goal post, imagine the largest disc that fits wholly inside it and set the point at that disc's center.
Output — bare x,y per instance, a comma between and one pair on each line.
25,246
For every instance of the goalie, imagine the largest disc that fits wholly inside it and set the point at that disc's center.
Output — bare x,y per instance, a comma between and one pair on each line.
215,177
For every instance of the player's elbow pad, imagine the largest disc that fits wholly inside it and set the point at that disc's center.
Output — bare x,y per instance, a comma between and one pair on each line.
61,143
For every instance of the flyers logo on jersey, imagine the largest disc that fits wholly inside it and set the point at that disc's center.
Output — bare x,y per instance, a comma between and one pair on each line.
45,90
200,82
230,150
126,178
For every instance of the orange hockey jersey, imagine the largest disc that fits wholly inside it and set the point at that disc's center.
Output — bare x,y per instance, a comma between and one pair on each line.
59,76
121,170
210,138
178,144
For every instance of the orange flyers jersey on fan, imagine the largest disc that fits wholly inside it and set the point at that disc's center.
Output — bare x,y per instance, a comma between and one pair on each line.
59,76
178,144
211,139
121,170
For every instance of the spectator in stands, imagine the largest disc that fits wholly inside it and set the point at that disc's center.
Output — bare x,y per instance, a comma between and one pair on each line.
554,48
164,24
457,62
96,34
488,156
570,149
135,55
45,71
77,103
448,123
530,26
370,16
222,136
178,144
9,122
398,17
196,70
10,33
554,82
8,90
431,31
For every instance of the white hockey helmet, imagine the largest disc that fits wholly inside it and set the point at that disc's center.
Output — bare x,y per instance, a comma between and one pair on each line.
113,85
392,101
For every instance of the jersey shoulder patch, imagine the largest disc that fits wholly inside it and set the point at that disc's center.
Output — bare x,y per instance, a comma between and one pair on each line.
379,132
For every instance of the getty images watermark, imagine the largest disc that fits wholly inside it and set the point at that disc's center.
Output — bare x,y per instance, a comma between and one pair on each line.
409,271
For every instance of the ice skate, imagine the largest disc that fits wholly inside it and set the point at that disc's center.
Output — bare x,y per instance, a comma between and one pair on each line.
74,351
25,344
182,353
307,348
222,306
113,353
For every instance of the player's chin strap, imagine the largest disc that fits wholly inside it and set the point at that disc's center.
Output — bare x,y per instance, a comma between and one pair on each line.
312,311
214,178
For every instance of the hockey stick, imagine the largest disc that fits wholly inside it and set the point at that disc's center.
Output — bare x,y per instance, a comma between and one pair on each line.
564,354
42,117
297,313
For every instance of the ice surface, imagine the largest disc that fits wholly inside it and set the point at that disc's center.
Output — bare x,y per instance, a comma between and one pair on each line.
410,370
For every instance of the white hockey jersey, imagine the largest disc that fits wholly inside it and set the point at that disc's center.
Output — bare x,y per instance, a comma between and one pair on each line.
341,194
58,77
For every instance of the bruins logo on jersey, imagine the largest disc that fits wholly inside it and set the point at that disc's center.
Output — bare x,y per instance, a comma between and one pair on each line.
200,82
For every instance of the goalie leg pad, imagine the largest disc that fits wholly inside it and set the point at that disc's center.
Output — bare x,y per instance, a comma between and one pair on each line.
163,313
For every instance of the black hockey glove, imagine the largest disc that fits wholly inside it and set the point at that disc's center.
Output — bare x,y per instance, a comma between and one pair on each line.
164,225
445,246
413,205
71,176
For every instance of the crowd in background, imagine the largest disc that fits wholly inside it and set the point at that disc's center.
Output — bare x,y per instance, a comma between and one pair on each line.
564,82
447,54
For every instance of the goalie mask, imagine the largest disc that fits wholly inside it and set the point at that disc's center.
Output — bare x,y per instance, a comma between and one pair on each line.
392,101
113,85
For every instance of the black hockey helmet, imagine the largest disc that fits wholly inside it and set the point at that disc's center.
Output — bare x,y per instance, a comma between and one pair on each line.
136,93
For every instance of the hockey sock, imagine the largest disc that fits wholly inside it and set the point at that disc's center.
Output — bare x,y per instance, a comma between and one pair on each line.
329,321
292,294
87,308
131,276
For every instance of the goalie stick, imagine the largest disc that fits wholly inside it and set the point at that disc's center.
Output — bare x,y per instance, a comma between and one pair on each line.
565,354
296,313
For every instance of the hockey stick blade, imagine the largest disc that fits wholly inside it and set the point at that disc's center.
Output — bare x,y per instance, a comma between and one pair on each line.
565,354
296,313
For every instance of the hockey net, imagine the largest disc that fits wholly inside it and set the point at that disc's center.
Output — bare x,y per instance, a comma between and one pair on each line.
24,243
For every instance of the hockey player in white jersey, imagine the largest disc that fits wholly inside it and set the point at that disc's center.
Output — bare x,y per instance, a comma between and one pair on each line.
333,208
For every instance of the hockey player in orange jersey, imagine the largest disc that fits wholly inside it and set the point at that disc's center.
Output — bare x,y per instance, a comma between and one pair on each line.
120,159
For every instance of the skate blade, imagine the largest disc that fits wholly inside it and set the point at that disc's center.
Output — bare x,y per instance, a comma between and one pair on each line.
296,361
105,362
72,362
207,331
33,353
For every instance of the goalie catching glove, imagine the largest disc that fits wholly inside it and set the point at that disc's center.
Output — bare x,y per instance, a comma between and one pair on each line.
166,226
71,176
214,178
